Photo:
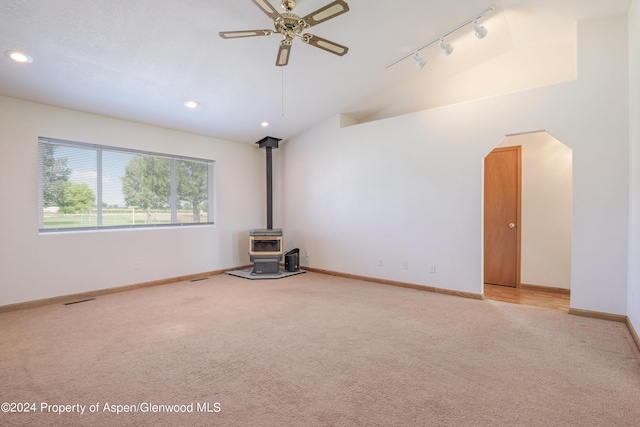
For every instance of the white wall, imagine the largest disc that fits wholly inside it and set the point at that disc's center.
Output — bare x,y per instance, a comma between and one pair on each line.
34,266
410,187
546,209
633,310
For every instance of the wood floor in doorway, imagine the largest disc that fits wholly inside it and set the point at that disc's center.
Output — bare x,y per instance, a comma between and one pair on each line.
537,297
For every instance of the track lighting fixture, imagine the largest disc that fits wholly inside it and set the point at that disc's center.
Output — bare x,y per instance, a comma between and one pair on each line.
445,47
418,61
479,31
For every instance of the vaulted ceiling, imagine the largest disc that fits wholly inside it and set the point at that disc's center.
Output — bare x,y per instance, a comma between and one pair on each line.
141,60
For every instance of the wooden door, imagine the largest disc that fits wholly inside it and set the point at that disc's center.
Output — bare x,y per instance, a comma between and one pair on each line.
502,200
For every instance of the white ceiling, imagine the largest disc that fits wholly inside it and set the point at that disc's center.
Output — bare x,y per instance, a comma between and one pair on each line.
140,60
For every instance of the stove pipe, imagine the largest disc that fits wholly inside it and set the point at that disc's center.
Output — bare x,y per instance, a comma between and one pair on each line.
269,143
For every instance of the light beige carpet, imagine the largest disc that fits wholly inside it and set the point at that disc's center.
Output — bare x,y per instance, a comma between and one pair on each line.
313,350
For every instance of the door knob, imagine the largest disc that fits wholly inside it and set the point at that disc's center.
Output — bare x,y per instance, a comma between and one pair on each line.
512,225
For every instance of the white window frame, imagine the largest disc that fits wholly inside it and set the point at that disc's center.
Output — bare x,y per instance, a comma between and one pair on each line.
211,205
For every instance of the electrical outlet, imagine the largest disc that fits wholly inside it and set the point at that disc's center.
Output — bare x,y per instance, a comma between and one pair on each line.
306,253
136,266
405,265
432,268
380,262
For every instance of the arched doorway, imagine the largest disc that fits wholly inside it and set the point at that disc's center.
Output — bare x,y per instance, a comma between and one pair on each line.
546,204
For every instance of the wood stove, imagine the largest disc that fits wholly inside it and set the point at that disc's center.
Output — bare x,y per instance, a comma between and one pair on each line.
265,244
265,250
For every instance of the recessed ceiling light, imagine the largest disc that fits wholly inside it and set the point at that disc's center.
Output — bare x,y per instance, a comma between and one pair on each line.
265,124
18,56
191,104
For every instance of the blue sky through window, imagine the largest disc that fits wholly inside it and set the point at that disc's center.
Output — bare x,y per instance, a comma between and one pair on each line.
83,165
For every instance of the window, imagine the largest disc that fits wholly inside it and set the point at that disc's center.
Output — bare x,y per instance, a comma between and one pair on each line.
86,186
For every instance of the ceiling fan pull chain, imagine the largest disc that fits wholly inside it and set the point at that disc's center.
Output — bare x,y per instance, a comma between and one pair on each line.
282,97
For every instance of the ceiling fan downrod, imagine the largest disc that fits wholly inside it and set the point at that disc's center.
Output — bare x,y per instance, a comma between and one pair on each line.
288,5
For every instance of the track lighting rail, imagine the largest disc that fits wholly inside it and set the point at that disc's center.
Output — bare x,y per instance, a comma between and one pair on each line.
476,17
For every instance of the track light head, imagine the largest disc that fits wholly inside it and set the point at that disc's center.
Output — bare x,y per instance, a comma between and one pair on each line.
420,62
445,47
479,30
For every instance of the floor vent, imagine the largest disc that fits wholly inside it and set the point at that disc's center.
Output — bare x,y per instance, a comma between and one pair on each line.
202,278
78,302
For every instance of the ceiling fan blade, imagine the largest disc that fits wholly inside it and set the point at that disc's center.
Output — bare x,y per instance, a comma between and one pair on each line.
283,53
325,44
246,33
267,8
329,11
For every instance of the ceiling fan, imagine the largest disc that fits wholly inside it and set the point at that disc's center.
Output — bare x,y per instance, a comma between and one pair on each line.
290,25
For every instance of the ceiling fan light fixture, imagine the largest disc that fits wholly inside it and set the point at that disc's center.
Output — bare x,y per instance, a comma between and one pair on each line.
420,62
479,30
289,25
18,56
445,47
